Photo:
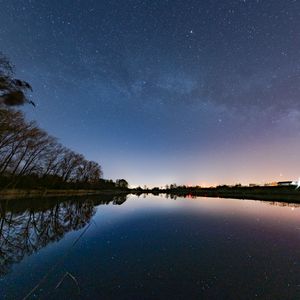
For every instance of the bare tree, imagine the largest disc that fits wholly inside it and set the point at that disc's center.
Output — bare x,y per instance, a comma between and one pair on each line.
25,150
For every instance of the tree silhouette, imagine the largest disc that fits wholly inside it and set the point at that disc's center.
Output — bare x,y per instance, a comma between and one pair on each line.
121,183
13,92
26,150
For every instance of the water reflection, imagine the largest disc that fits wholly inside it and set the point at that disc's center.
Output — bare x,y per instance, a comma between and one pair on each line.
274,203
25,229
283,204
150,247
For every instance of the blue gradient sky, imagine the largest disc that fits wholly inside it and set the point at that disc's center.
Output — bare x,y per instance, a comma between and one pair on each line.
193,92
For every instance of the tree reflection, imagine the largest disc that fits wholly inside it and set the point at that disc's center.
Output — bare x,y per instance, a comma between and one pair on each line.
25,232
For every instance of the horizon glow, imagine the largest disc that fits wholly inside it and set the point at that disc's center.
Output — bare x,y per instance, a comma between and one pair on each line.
160,92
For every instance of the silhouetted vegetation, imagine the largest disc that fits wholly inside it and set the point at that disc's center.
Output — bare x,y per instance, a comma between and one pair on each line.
30,158
13,91
273,193
121,183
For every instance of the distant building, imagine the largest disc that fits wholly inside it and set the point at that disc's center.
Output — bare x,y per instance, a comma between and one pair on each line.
271,184
284,183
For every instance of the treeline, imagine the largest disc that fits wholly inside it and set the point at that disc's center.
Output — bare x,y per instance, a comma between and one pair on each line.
269,193
31,158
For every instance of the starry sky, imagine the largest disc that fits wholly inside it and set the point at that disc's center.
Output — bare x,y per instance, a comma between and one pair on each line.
163,91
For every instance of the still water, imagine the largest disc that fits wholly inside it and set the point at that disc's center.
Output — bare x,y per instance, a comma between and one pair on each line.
149,247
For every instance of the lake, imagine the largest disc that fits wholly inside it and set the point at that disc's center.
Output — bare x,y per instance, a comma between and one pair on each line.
149,247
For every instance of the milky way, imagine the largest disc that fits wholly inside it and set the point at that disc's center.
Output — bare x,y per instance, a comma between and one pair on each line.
193,92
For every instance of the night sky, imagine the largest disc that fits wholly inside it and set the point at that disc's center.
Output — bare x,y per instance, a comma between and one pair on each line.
192,92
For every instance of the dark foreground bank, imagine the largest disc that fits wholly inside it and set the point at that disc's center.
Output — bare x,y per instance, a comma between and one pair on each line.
41,193
287,194
269,193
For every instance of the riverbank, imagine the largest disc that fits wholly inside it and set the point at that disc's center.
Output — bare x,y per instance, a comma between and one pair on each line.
273,193
7,194
279,193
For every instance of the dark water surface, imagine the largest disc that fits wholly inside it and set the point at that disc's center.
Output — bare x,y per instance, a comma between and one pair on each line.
149,248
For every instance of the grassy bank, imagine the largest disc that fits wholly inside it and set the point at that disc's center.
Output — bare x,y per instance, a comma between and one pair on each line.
268,193
276,193
36,193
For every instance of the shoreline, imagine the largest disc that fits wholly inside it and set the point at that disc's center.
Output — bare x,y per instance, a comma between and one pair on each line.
245,196
278,194
11,194
287,194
